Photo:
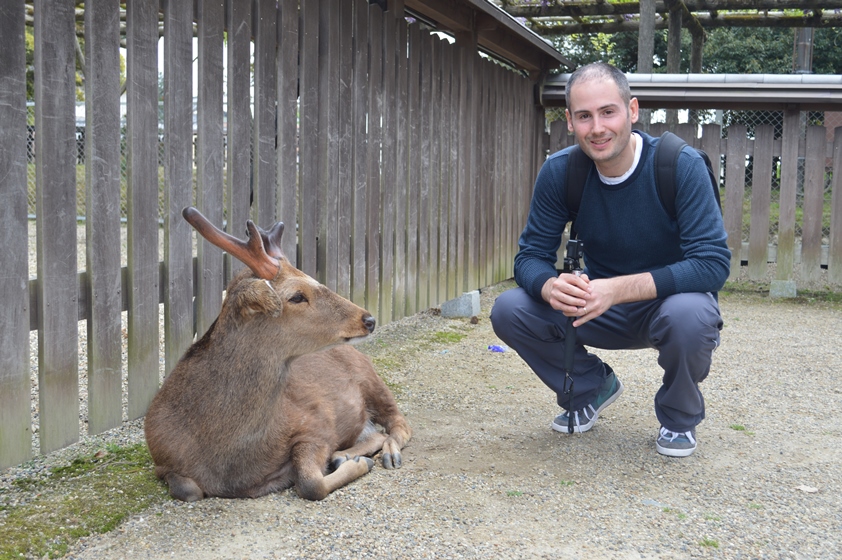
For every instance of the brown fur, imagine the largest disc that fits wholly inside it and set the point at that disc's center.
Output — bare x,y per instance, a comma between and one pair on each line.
270,397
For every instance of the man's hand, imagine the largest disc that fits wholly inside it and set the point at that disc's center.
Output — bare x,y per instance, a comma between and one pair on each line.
585,299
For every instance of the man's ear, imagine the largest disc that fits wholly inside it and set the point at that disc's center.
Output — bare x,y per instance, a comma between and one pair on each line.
634,109
569,120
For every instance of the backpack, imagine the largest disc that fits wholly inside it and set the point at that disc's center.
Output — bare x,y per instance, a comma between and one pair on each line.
666,156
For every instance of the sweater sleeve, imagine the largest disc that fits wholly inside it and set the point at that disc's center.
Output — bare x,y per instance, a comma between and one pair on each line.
536,259
706,258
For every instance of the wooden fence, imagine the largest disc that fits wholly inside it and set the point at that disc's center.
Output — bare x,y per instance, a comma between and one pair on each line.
806,245
401,164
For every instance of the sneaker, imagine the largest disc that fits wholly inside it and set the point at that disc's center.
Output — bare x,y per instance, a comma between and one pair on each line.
584,419
676,444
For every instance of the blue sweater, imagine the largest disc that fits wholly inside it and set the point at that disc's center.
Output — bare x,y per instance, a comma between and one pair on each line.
625,228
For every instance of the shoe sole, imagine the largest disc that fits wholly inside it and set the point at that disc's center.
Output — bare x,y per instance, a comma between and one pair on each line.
585,427
670,452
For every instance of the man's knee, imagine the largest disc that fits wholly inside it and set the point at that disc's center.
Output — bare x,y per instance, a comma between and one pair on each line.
688,318
503,312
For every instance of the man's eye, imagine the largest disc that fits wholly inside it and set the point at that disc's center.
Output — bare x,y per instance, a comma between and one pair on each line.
298,298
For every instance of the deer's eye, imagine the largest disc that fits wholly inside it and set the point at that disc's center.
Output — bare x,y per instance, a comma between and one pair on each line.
298,298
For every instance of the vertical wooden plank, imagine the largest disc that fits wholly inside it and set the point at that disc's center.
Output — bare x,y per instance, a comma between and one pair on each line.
469,189
360,96
711,143
102,223
309,137
380,188
239,130
345,171
265,94
328,188
834,260
811,228
761,196
413,197
443,138
55,168
288,125
435,170
423,124
401,185
209,188
463,169
785,256
15,422
735,181
142,173
178,176
455,171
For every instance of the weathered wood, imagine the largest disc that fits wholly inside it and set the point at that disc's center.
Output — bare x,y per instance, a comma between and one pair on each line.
287,152
265,95
308,141
834,265
413,202
382,134
813,203
55,161
789,188
401,185
15,422
102,223
435,110
425,209
328,143
359,137
761,196
345,168
735,181
178,182
238,184
142,175
447,173
209,173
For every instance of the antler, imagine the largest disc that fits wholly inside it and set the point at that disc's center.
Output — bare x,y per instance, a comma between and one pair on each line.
251,253
272,240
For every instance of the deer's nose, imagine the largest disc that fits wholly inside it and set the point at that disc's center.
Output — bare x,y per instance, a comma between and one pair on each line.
369,323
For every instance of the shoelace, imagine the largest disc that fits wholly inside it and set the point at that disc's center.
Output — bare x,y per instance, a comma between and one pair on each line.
584,412
672,436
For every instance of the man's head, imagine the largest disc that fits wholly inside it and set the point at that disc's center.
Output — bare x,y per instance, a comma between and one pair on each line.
600,112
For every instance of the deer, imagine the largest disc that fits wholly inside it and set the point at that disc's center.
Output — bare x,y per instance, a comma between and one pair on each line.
273,395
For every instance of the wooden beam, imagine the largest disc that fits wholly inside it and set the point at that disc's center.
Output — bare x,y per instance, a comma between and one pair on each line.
602,8
559,28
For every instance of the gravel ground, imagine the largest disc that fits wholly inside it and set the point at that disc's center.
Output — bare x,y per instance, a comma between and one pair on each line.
484,476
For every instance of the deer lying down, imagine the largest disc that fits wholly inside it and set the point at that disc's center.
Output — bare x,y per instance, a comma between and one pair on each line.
271,397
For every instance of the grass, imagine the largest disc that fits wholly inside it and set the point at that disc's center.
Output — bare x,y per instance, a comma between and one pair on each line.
92,494
514,493
710,543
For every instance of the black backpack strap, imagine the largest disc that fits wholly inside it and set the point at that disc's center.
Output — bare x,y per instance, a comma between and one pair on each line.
666,162
578,167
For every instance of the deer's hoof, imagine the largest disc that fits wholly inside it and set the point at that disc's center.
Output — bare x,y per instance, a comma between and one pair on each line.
392,460
368,461
338,461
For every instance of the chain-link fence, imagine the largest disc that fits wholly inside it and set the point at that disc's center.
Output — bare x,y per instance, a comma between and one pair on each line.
751,120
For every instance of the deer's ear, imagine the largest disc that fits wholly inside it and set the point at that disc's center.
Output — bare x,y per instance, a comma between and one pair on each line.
256,297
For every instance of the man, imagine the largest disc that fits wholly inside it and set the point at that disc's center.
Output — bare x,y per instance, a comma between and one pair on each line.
649,280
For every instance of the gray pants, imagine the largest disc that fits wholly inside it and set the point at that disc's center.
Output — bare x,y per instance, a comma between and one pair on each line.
684,328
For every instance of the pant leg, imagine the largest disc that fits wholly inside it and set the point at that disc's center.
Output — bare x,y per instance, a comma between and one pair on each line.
685,330
537,332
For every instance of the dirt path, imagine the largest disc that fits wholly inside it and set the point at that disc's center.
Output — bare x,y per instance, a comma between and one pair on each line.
485,476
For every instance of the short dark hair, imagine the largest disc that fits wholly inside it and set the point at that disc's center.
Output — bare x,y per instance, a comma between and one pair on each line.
599,70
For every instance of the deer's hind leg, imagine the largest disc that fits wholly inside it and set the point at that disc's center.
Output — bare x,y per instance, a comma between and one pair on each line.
312,483
183,488
369,442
